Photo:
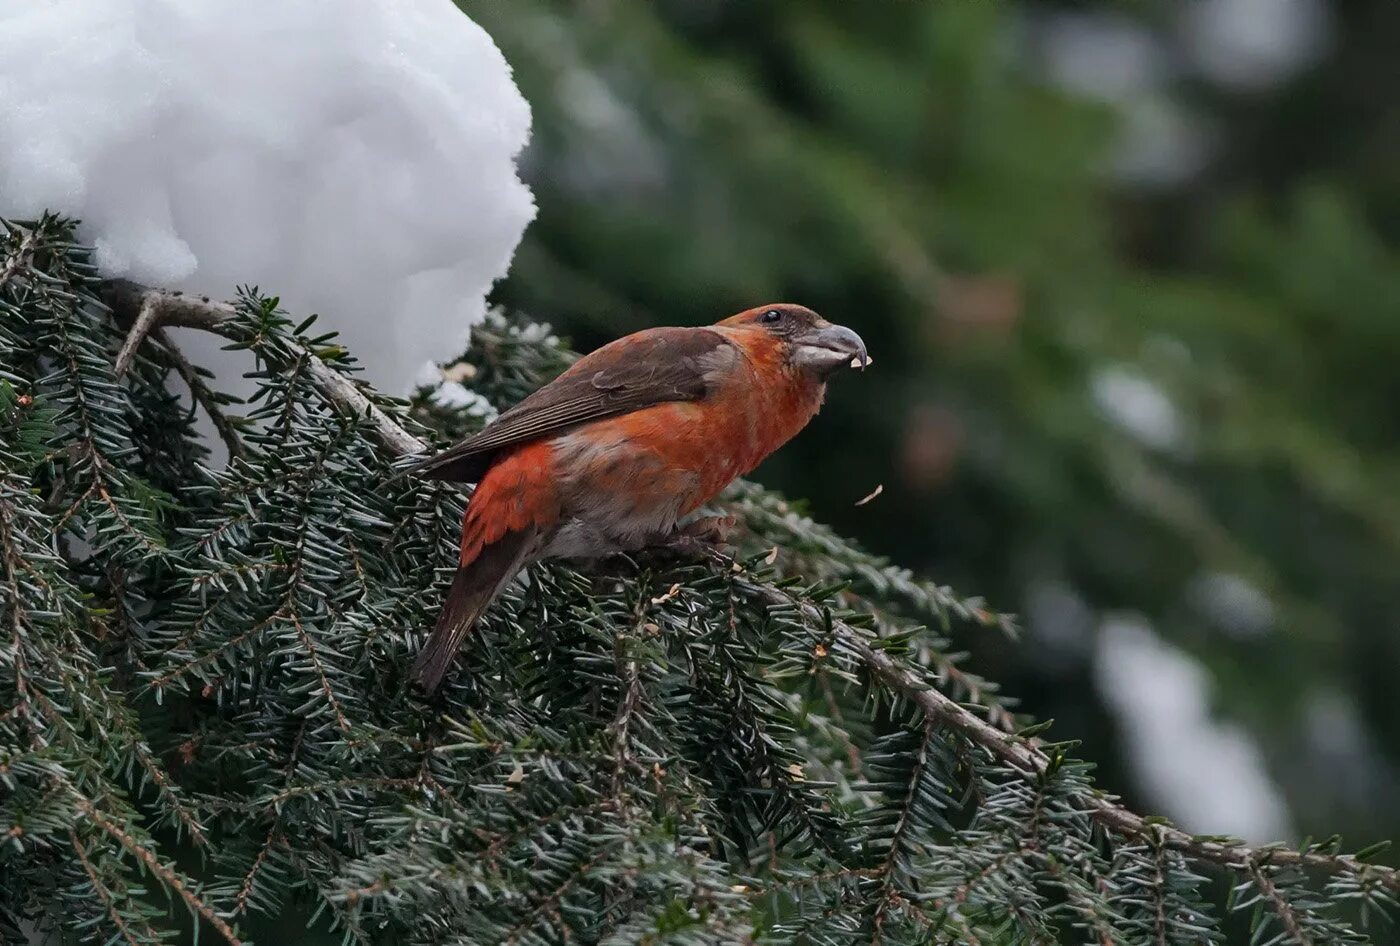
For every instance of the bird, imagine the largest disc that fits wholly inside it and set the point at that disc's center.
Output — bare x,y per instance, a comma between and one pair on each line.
613,454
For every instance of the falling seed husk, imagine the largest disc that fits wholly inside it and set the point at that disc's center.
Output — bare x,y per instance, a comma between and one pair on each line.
880,488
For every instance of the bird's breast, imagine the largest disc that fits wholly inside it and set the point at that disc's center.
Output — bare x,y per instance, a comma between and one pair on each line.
634,476
621,478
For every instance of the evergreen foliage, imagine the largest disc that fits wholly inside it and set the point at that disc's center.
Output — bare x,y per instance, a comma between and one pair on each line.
924,172
205,711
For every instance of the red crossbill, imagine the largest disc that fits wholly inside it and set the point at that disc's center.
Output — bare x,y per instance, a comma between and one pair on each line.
616,451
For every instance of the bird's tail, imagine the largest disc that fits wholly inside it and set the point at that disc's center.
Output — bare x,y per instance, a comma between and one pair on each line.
474,587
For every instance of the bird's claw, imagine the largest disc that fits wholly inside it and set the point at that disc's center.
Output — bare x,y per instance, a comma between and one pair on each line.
695,540
710,530
686,547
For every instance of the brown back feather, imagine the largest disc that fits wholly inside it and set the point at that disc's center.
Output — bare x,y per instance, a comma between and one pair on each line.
649,367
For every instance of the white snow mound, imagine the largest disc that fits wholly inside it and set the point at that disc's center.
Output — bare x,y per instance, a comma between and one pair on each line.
355,157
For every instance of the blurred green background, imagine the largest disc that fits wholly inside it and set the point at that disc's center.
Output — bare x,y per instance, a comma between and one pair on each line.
1129,274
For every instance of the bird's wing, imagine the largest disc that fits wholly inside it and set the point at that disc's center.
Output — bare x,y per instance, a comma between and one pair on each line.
649,367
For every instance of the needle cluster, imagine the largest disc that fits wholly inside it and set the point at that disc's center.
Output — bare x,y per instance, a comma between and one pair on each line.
206,723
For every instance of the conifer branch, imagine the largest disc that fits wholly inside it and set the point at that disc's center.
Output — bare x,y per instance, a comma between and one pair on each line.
1026,757
201,393
129,300
245,889
105,896
167,876
888,890
1023,755
19,258
1279,904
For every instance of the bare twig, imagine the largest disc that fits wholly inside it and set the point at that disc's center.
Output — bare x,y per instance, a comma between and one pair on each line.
128,300
146,318
1021,755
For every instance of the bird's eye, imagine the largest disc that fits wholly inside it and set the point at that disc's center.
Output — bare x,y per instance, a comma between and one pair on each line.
771,317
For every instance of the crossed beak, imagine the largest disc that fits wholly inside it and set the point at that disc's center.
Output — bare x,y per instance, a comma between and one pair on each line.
827,346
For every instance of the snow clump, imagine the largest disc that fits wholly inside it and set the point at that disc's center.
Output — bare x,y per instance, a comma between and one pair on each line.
354,157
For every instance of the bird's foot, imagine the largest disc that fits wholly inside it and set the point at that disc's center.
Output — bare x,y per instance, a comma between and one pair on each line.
711,530
695,540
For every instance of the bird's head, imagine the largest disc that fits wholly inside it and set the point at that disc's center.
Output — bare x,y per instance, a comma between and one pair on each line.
805,340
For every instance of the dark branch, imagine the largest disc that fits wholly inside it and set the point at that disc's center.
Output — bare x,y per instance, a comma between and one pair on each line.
202,394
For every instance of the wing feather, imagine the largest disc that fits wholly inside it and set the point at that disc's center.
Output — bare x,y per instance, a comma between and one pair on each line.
650,367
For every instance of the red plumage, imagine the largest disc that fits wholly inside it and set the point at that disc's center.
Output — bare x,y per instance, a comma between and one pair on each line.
631,439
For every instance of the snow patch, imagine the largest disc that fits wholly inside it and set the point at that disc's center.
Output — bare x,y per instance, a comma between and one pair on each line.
1138,406
452,394
1206,773
1061,622
1101,55
1253,44
1234,604
355,157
